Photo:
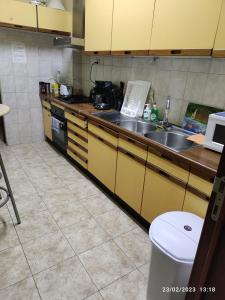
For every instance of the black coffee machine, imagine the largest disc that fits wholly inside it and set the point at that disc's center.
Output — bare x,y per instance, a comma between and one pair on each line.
106,95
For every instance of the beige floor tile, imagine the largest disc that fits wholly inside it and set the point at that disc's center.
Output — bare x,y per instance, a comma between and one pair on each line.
85,235
98,204
28,205
131,287
14,267
4,215
35,226
96,296
145,270
23,290
8,236
69,214
83,188
116,222
49,183
106,263
39,171
16,173
58,197
136,246
22,188
69,173
67,280
47,251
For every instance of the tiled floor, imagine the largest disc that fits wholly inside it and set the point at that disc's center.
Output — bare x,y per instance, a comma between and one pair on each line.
73,243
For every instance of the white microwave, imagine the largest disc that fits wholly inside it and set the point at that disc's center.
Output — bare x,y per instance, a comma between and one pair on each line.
215,132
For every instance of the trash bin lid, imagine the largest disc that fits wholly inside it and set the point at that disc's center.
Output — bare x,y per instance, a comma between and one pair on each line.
177,235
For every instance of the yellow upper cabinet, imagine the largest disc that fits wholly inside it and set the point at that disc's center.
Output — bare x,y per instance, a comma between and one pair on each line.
18,13
98,25
219,46
185,24
51,19
132,24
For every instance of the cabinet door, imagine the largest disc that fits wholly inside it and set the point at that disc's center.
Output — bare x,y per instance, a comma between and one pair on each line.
219,46
130,180
132,24
182,24
98,25
195,204
18,13
54,20
47,123
102,159
160,195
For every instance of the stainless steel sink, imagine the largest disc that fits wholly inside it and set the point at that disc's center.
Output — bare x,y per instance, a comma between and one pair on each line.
137,126
111,116
174,140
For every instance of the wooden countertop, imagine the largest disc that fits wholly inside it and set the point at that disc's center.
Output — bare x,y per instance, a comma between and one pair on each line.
199,160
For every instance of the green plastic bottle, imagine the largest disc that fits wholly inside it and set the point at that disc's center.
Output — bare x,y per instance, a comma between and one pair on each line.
155,114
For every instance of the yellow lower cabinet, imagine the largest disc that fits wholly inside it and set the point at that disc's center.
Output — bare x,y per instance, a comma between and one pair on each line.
195,204
102,159
160,195
47,123
130,180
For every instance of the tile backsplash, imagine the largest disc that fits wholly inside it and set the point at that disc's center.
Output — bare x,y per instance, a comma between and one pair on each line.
19,80
200,80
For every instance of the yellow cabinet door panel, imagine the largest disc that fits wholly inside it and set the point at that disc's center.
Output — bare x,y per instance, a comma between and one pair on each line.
98,25
195,205
47,123
130,181
220,36
200,184
54,19
160,195
132,148
182,24
168,166
132,24
102,162
18,13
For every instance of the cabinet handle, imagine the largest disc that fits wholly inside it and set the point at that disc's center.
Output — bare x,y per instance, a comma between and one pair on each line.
96,52
133,156
175,52
127,52
161,172
166,157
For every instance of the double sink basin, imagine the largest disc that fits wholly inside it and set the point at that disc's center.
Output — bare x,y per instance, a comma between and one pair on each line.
174,137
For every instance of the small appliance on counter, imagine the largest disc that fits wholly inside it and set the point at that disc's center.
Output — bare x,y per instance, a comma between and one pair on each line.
66,91
74,99
215,132
105,95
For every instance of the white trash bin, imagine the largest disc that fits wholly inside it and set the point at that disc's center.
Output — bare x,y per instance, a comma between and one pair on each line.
174,237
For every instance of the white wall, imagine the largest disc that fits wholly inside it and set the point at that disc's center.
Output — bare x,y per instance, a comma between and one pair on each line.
19,82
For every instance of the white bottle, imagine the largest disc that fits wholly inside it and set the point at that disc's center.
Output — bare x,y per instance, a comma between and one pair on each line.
147,112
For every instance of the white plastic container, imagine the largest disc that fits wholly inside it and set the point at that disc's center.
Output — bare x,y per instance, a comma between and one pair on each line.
174,237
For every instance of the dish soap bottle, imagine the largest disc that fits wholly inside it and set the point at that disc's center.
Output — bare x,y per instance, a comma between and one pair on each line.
154,114
147,112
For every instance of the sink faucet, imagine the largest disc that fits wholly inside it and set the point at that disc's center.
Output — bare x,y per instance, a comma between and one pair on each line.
166,113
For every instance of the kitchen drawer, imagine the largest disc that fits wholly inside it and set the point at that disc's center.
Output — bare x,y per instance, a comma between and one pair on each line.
168,166
195,204
133,146
46,104
200,184
77,129
76,119
74,155
103,132
58,105
78,139
77,148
